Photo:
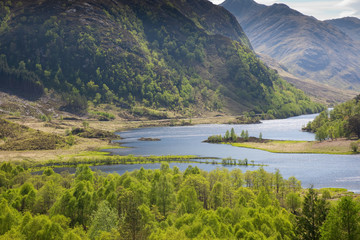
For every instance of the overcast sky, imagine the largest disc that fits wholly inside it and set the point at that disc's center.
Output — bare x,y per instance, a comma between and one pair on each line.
321,9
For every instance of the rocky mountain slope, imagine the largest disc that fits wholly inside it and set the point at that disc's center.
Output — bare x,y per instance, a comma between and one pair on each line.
319,92
307,47
349,25
186,56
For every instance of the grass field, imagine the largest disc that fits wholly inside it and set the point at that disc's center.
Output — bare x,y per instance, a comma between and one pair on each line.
340,146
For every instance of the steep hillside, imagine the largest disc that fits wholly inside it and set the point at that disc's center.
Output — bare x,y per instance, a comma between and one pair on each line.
188,56
307,47
342,121
349,25
319,92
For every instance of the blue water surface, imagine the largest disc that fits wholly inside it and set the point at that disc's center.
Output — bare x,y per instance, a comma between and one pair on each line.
319,170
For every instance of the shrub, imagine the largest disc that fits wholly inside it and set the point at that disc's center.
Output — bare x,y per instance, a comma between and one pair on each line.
354,147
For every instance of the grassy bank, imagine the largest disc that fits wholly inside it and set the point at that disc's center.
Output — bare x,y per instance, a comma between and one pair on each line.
340,146
61,126
93,158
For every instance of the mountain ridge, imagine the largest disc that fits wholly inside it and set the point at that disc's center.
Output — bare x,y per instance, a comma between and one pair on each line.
349,25
309,48
159,54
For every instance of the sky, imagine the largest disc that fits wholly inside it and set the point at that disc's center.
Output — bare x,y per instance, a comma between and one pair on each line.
320,9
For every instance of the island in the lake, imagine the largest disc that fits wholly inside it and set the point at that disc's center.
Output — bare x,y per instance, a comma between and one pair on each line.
334,146
149,139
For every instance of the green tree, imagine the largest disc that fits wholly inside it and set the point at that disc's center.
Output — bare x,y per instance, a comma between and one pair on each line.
227,135
83,173
314,212
354,124
246,137
103,220
217,195
242,135
47,196
41,227
321,133
9,217
233,135
188,200
293,201
354,147
343,221
164,194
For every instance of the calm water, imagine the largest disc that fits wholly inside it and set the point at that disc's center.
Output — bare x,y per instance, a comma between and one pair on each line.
320,170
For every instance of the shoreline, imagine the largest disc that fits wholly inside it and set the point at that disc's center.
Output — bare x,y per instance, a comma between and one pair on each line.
83,145
338,147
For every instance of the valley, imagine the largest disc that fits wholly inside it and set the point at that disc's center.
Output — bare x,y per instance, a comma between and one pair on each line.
324,51
167,119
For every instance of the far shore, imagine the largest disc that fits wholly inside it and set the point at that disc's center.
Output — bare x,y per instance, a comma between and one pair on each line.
92,147
338,146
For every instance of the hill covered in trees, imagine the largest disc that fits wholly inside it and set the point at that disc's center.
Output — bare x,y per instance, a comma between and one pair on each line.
342,121
186,56
168,204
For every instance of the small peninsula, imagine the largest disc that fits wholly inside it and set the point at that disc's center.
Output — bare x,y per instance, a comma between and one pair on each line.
337,146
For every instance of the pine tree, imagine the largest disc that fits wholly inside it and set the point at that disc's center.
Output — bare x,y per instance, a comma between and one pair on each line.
313,215
227,135
233,135
343,221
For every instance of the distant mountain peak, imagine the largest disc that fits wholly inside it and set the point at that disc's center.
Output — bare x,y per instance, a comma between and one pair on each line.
242,7
308,47
280,9
349,25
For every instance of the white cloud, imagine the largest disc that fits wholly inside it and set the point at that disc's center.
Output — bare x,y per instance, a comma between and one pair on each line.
350,8
216,1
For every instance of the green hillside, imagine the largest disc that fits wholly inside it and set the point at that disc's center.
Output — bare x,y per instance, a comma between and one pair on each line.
342,121
16,137
186,56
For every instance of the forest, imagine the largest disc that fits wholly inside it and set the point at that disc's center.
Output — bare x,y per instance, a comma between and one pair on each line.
132,53
342,121
169,204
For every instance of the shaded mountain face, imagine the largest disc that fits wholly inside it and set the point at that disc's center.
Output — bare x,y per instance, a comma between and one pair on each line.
349,25
309,48
187,56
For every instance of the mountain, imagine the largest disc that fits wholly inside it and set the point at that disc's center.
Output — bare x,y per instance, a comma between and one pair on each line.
318,92
349,25
187,56
307,47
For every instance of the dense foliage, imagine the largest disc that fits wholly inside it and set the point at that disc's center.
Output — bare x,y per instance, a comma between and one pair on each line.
166,204
181,55
232,137
342,121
